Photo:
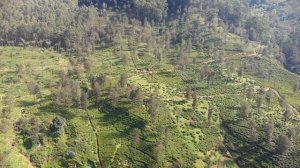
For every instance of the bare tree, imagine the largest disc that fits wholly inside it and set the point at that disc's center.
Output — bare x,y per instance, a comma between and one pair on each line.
244,109
84,101
76,93
259,103
153,106
195,102
113,96
137,95
283,144
291,132
253,136
241,71
296,87
268,99
188,93
33,88
123,80
269,128
97,91
250,93
136,137
125,60
210,113
287,113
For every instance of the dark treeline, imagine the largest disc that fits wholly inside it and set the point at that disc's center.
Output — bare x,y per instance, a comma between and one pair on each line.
79,25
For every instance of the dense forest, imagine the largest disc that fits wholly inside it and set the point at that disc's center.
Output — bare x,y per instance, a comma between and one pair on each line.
67,25
150,83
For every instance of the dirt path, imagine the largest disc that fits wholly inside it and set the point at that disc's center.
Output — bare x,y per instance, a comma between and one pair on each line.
222,162
230,57
279,96
200,97
25,159
97,140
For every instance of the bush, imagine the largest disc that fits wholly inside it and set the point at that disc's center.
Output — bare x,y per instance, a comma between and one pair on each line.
56,127
71,154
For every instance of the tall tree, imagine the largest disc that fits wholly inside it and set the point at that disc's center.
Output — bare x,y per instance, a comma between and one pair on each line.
188,93
268,98
153,106
195,102
123,80
269,128
283,144
245,109
33,88
84,101
210,113
259,101
287,113
97,91
296,87
76,94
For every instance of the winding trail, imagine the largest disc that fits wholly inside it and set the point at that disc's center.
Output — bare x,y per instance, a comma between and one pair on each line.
279,96
97,140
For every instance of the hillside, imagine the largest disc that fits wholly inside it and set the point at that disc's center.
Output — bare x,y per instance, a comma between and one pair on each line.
170,84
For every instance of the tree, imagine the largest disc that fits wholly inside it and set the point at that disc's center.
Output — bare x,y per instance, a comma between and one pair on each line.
97,91
210,113
296,87
84,101
195,102
210,78
250,93
268,98
282,102
123,80
253,136
113,96
291,132
76,94
153,106
269,128
259,103
283,144
244,109
287,113
137,95
8,103
56,127
188,93
241,71
33,88
87,63
136,137
125,60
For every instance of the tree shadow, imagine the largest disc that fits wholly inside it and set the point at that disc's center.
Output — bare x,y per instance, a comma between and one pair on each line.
120,116
26,103
52,108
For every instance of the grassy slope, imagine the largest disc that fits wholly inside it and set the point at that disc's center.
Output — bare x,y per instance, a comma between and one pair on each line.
113,128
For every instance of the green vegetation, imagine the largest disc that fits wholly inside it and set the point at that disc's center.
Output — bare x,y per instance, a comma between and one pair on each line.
162,83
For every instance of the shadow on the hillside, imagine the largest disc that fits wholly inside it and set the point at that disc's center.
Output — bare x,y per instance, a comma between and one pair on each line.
166,74
26,103
52,108
250,155
121,119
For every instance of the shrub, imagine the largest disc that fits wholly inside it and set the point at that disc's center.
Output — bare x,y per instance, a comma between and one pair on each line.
56,127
